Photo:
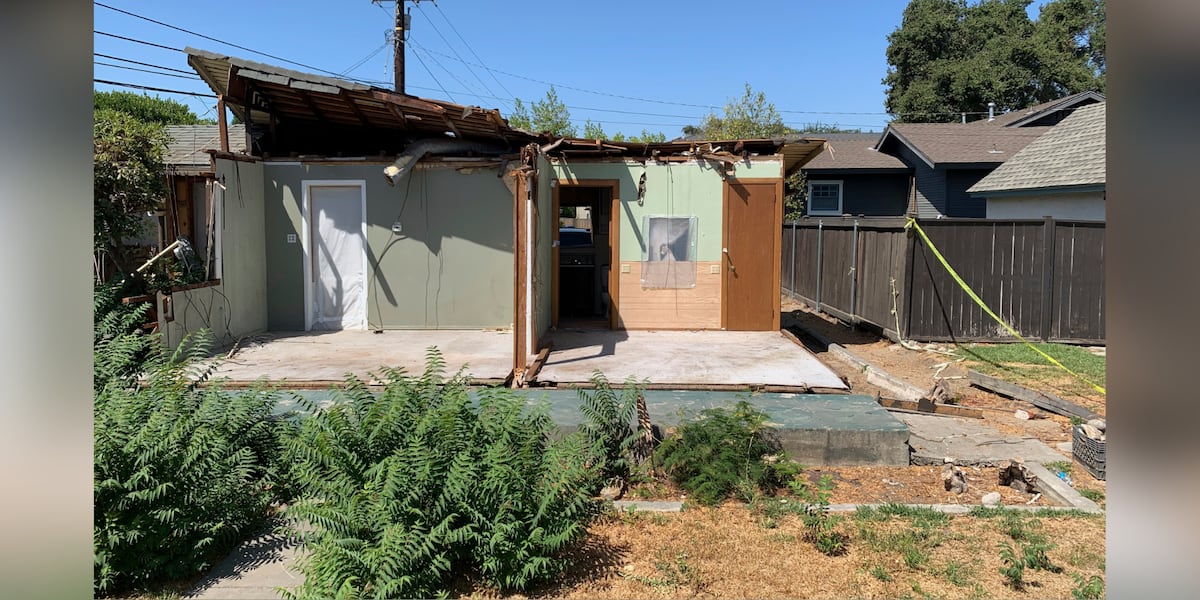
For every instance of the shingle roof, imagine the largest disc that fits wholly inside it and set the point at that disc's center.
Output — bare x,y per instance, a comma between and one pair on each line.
1070,154
1017,118
187,144
853,151
959,143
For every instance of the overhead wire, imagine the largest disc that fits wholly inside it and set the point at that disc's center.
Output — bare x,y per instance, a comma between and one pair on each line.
449,45
469,48
126,67
144,64
492,71
152,89
434,77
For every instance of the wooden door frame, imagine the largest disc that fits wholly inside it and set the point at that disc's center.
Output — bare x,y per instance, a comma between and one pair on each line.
614,243
776,244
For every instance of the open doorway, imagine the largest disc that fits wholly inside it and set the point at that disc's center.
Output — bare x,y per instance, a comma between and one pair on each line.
585,242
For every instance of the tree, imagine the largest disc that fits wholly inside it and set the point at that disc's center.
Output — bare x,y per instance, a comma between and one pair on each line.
949,57
595,131
549,115
748,117
148,109
128,180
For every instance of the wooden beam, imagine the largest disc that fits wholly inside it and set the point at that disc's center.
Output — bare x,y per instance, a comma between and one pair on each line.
1043,400
538,362
222,127
935,408
358,114
407,101
311,104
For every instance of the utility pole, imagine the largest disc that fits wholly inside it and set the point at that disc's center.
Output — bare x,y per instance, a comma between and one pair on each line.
399,30
398,42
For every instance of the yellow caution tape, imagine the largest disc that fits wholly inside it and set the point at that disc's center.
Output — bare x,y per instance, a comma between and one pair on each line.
966,288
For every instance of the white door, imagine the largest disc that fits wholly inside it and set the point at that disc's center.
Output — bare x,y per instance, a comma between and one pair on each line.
337,257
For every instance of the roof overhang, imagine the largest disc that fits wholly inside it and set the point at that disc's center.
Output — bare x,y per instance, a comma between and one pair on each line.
258,92
792,153
860,171
889,134
1056,189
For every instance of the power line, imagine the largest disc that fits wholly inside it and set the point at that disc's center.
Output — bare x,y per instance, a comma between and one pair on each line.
152,89
431,75
447,42
210,38
469,48
116,66
129,39
143,63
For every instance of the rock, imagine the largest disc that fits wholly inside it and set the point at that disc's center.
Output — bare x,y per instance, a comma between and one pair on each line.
991,499
612,492
1022,414
953,479
1092,432
1098,424
1015,475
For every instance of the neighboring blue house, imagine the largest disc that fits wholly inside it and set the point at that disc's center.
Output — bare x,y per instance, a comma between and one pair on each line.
925,169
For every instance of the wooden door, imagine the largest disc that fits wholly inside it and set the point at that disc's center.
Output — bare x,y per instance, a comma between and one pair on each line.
750,253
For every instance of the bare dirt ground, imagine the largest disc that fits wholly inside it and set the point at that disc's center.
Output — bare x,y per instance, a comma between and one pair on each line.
920,368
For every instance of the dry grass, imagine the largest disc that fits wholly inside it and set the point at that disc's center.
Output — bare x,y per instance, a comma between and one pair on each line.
723,552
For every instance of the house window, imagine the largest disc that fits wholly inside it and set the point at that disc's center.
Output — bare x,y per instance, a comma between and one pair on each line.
824,197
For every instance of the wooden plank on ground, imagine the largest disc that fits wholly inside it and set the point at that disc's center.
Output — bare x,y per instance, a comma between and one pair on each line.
915,406
1049,402
538,362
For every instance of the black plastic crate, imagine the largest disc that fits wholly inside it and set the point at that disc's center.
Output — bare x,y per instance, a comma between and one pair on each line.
1088,452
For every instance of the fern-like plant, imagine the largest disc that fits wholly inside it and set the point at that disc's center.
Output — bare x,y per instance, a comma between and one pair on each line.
181,472
710,455
403,489
608,423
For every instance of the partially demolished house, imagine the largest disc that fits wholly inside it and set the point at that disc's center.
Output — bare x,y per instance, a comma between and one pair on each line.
358,207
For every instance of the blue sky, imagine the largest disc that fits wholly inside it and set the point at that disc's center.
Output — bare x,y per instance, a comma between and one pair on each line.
633,65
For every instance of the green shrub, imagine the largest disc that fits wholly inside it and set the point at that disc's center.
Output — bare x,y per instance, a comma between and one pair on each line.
709,456
181,472
608,422
120,348
1091,588
402,490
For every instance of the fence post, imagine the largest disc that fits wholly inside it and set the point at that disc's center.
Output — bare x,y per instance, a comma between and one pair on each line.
792,285
854,276
1047,278
820,248
908,274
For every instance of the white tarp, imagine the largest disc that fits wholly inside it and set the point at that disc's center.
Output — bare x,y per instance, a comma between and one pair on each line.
339,291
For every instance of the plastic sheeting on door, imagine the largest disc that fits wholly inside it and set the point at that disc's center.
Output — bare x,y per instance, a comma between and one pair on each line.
339,291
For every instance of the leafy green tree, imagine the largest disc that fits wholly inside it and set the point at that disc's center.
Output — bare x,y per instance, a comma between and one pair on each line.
595,131
949,57
748,117
148,109
547,115
128,180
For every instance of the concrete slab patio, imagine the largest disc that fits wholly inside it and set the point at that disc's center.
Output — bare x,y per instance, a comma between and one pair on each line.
255,570
318,358
719,358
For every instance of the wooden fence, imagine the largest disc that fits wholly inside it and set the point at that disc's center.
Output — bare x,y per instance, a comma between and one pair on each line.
1043,277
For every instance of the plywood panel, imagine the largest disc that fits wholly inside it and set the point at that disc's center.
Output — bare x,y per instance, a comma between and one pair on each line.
688,308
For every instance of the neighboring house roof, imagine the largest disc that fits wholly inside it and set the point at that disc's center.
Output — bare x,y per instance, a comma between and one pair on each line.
187,144
854,151
1046,111
942,144
255,88
1070,155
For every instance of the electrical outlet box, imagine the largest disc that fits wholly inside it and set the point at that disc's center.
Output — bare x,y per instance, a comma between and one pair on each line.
291,238
625,268
714,269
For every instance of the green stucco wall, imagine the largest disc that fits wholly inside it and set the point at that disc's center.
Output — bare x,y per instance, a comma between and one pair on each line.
679,189
449,268
234,308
